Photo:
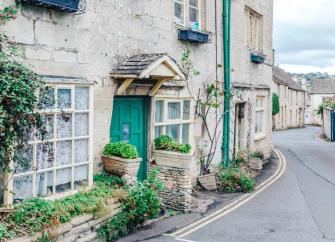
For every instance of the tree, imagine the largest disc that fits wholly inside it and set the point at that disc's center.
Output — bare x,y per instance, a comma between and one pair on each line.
275,104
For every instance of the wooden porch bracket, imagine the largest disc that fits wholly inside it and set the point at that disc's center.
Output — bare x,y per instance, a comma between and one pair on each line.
156,87
125,84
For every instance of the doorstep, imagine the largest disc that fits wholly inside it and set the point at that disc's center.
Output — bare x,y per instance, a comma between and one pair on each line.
204,203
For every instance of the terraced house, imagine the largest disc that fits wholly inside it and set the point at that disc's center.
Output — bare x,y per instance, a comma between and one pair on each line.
115,71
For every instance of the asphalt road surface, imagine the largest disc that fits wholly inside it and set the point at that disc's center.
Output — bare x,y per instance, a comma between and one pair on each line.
299,207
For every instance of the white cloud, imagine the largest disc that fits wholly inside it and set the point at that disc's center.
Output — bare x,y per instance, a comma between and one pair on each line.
304,36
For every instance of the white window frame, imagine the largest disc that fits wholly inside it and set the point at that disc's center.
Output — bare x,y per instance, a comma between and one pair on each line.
187,6
9,198
254,29
181,2
261,133
166,121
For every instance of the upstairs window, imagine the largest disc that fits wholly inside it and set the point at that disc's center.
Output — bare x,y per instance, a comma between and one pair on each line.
254,30
187,13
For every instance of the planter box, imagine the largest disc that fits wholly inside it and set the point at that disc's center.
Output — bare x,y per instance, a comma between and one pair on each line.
125,168
193,35
173,159
257,58
255,163
70,6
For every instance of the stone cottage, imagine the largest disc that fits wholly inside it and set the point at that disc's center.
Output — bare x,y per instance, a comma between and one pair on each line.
321,90
251,76
292,101
115,73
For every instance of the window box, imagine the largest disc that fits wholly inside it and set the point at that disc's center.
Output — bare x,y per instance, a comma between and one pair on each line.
125,168
193,35
70,6
173,159
258,58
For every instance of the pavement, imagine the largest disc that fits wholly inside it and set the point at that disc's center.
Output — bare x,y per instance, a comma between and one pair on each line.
299,206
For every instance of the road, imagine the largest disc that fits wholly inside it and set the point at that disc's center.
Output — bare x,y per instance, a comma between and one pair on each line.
299,207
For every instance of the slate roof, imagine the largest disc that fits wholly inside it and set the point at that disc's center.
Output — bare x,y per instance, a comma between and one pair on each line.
135,65
323,86
281,77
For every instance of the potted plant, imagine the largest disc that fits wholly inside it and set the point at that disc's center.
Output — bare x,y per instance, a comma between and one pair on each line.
256,160
171,154
121,159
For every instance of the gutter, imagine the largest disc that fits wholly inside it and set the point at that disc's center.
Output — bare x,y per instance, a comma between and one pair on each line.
225,147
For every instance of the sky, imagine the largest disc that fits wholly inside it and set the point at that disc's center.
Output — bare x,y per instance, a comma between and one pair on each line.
304,35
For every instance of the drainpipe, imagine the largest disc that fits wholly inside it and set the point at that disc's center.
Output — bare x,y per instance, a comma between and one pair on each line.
225,147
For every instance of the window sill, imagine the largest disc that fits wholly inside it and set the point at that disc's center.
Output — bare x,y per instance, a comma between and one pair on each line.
259,136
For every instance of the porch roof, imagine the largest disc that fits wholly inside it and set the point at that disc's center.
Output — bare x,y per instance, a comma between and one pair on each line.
159,66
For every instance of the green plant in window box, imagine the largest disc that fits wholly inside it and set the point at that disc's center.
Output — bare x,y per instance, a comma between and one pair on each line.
169,153
121,149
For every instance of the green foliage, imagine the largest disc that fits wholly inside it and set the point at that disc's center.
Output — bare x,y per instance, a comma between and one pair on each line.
240,159
327,104
36,215
141,204
165,142
121,149
18,98
109,180
257,154
234,179
275,104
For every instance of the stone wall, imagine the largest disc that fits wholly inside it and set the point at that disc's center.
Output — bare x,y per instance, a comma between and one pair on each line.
82,228
178,188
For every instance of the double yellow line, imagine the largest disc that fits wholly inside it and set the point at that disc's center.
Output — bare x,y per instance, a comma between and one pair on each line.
234,205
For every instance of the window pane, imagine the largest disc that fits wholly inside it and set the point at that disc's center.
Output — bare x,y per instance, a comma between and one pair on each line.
194,3
80,176
178,12
159,111
186,110
194,18
44,183
23,159
63,180
64,98
82,98
64,125
81,124
49,127
185,134
158,131
47,99
22,188
81,150
64,153
174,110
173,131
45,156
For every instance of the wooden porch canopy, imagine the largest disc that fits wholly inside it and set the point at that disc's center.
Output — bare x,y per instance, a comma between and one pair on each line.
160,67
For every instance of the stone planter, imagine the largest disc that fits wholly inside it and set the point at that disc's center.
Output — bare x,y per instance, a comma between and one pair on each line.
208,182
125,168
255,163
173,159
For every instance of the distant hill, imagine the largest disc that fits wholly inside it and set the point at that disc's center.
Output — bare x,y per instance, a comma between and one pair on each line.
306,79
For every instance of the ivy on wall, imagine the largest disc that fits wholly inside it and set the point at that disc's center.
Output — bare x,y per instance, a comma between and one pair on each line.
18,99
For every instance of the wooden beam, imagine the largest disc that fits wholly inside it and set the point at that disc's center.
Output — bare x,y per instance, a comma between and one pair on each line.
125,84
155,88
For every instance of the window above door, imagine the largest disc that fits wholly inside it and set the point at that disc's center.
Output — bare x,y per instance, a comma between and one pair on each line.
188,13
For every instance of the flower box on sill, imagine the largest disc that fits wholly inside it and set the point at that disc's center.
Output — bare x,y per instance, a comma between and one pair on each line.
70,6
193,35
258,58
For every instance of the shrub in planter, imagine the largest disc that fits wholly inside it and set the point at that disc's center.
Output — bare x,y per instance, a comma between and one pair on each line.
121,149
121,159
171,154
234,179
256,160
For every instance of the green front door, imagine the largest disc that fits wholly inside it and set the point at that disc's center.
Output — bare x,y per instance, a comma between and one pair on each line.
129,125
